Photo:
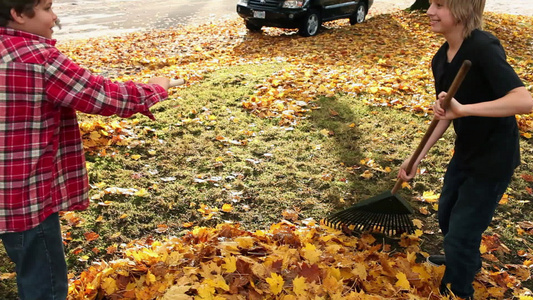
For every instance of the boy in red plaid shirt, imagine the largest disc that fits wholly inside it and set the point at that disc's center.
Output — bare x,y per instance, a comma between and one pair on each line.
42,165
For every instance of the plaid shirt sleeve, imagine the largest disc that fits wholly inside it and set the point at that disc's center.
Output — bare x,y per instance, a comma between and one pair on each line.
69,85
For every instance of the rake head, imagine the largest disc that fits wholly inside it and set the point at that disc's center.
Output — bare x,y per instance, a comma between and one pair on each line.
386,213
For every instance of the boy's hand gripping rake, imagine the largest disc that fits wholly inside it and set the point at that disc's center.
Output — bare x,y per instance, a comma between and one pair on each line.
388,213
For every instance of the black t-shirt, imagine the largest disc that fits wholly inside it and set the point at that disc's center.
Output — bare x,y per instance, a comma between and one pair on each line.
487,147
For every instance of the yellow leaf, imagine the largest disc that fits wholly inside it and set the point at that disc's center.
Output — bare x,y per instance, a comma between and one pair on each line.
135,156
504,199
205,291
227,208
150,278
411,257
141,193
311,253
331,284
245,242
218,282
367,174
4,276
109,285
360,271
276,283
177,292
100,185
417,223
402,282
421,270
299,286
231,264
430,197
94,136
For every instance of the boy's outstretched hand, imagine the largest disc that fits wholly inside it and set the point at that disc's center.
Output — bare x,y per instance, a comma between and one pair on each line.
162,81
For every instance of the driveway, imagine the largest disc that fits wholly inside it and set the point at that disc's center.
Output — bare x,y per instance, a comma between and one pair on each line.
93,18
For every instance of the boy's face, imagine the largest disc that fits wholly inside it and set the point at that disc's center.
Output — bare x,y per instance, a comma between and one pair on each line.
42,22
441,19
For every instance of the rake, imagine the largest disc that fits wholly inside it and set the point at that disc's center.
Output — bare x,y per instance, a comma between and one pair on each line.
387,212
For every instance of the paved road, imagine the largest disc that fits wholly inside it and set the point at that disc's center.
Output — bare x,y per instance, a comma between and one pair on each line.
92,18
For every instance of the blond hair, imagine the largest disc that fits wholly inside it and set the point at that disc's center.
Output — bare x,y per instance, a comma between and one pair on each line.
467,12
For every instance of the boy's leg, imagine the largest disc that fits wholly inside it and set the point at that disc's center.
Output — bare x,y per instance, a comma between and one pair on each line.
470,216
39,260
453,179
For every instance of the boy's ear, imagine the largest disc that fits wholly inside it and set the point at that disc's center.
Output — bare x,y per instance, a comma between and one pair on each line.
17,18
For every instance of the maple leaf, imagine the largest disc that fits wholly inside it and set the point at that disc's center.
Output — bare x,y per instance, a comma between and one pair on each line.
109,285
91,236
359,270
311,253
402,282
230,264
276,283
299,286
177,292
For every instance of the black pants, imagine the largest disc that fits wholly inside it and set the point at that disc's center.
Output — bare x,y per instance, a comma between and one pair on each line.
466,208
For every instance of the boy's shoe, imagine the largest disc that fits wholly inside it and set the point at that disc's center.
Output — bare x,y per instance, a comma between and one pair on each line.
445,291
436,260
440,260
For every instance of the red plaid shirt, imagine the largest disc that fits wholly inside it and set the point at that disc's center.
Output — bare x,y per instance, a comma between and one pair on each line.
42,164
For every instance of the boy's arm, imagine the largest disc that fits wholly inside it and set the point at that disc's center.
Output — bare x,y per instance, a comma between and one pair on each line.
517,101
69,85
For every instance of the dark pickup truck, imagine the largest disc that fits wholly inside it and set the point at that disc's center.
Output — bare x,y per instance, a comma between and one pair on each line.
306,15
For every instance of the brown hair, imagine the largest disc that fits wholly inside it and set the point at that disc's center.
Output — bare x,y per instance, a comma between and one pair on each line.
21,7
467,12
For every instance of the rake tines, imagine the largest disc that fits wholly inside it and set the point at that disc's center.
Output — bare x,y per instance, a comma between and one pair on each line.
385,213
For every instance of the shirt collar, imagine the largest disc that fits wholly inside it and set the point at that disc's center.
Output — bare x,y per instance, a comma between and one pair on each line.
27,35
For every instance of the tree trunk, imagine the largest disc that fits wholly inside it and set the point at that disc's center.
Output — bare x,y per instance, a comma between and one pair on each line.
420,5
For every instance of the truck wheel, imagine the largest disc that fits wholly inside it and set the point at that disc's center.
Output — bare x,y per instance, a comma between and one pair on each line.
359,14
311,24
252,27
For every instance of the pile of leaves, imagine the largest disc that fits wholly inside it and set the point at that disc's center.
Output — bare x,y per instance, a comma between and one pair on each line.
286,262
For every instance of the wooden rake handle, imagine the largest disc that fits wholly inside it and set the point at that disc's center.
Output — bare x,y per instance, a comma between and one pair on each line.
465,67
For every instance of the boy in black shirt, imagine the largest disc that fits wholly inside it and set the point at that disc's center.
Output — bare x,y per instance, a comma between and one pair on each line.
487,139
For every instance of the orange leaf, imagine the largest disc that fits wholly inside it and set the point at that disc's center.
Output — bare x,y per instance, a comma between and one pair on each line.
91,236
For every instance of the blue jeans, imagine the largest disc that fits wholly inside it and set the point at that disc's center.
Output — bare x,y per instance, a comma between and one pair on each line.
466,208
39,260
